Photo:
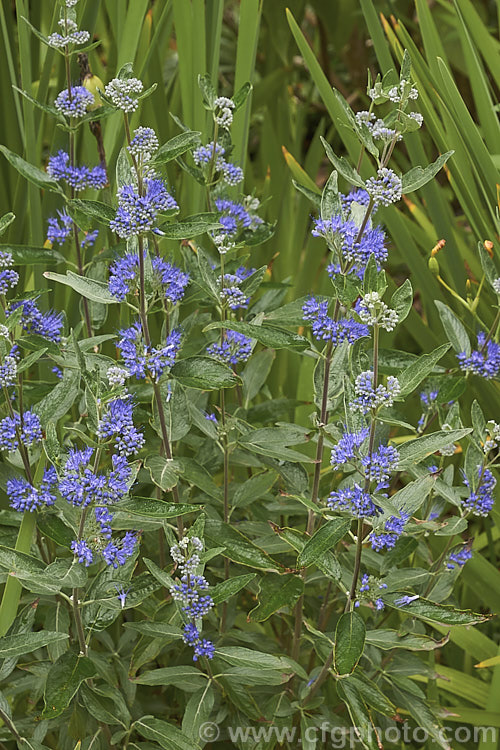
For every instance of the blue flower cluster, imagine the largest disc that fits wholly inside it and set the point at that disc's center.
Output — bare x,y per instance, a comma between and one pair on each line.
364,588
393,528
378,465
203,157
481,500
459,557
385,188
80,485
352,253
24,497
78,178
59,229
368,398
234,348
74,103
189,591
28,428
8,368
33,320
117,421
485,361
236,216
231,292
347,448
326,328
140,360
428,401
173,279
353,500
136,214
114,553
8,277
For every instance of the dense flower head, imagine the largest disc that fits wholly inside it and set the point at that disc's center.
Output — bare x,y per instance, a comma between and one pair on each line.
378,465
89,239
117,553
367,397
496,285
23,496
326,328
386,188
485,361
231,292
8,369
237,216
347,448
236,347
355,196
82,551
140,360
103,518
80,485
232,174
33,320
79,178
393,528
136,214
123,275
481,499
204,157
353,500
459,557
76,104
492,437
223,111
59,229
171,277
28,428
117,422
71,34
372,310
8,277
202,646
116,375
144,143
403,88
352,251
123,92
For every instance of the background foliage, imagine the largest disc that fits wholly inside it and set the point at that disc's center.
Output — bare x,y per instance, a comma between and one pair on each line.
293,58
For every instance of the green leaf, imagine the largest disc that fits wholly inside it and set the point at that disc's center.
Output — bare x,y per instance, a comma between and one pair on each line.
247,657
402,300
226,589
31,173
191,227
240,96
197,711
204,373
94,210
364,729
150,508
63,680
412,496
275,338
165,735
423,609
349,642
418,176
164,472
59,401
387,639
187,678
237,547
414,451
5,221
331,205
27,255
167,633
25,643
176,146
97,291
273,441
454,329
342,166
276,592
410,378
323,540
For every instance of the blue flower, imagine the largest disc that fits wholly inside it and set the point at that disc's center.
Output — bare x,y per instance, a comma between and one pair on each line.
90,238
459,557
23,496
235,348
8,369
29,428
231,292
33,320
59,232
403,601
172,278
140,360
144,143
355,196
136,214
485,361
346,448
117,554
236,216
481,500
393,528
117,421
122,595
378,465
353,500
385,188
326,328
79,178
82,551
76,103
123,275
80,485
368,398
104,518
341,237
